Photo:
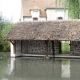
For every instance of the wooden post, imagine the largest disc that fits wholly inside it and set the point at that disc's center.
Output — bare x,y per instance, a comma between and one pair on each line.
46,42
60,47
21,46
53,48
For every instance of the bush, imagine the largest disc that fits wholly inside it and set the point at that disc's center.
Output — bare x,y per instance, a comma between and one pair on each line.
5,27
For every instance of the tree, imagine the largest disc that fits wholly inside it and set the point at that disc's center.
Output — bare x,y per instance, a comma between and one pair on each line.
5,27
73,8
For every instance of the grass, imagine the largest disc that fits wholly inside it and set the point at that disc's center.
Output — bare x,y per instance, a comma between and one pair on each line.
65,47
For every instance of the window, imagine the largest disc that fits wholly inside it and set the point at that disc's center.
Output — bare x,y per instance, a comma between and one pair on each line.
35,14
60,18
35,18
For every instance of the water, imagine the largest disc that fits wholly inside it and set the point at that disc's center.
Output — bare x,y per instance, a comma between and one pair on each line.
39,69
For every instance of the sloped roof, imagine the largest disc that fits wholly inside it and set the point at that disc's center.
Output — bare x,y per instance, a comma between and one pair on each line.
42,4
57,4
56,30
35,8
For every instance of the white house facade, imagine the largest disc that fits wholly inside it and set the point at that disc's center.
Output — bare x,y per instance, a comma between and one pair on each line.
51,15
36,10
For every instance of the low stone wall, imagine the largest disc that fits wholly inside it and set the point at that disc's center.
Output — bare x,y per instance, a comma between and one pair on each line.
75,48
18,47
37,47
57,47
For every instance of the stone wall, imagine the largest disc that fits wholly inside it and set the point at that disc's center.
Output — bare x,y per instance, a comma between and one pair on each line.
18,47
75,48
57,47
35,47
39,47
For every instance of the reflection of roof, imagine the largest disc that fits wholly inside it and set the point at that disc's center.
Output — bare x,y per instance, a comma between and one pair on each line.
41,4
57,30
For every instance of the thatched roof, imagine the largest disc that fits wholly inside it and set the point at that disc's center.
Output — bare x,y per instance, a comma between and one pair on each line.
56,30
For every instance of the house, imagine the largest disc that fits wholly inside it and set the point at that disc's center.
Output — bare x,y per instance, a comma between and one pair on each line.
44,25
42,10
43,38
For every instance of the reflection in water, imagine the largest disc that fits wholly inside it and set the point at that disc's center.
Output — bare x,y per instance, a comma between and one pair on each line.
65,68
39,69
12,65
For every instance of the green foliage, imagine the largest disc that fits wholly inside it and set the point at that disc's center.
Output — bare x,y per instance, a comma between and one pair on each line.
65,47
5,27
74,8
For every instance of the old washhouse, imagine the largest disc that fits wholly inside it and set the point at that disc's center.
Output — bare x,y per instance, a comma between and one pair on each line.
44,38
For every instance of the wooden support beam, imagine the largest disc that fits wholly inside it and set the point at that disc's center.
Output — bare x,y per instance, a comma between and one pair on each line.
21,46
60,47
12,42
46,42
53,48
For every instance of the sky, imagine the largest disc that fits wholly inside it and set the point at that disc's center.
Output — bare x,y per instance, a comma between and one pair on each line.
11,9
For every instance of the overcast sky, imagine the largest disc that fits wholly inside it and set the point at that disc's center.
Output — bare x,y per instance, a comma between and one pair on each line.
11,9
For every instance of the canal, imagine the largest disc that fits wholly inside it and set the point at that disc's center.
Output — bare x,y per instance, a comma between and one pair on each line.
25,68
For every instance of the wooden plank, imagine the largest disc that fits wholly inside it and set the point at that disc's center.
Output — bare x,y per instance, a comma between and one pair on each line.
46,42
60,47
53,48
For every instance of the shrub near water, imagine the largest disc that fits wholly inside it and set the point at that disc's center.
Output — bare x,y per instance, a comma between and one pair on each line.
5,27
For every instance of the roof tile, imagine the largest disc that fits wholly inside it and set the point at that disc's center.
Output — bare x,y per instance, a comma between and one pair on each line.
55,30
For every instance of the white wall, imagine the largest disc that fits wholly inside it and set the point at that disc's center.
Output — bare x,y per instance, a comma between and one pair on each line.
16,49
35,13
27,19
50,14
53,14
42,18
12,50
31,19
62,13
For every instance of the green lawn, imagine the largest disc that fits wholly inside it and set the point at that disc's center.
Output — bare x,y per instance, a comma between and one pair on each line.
65,47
